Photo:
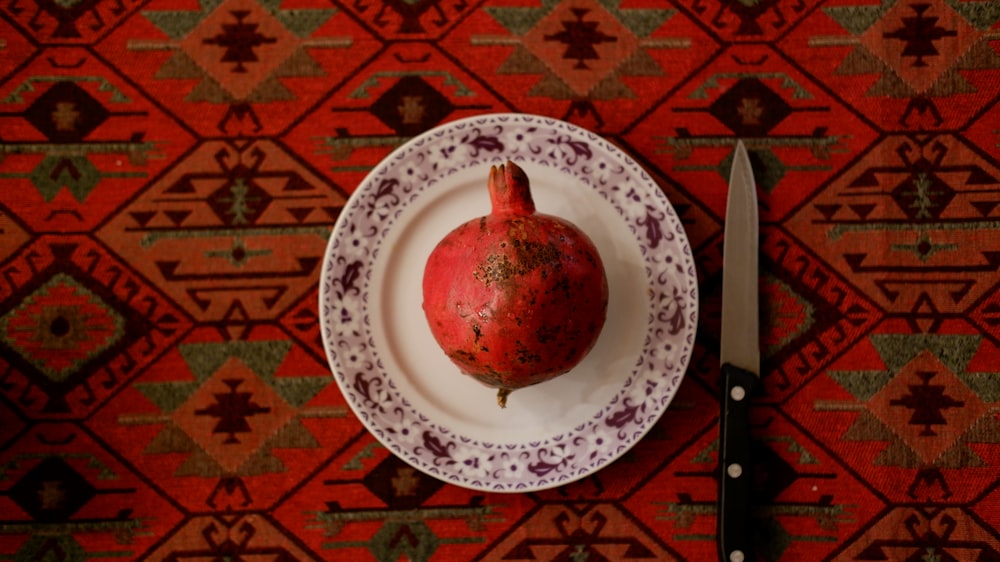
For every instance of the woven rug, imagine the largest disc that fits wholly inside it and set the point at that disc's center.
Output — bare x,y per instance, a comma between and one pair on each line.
171,172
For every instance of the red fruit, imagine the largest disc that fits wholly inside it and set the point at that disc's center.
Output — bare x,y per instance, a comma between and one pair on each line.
516,297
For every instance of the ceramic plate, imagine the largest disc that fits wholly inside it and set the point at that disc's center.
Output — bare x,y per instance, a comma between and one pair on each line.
402,386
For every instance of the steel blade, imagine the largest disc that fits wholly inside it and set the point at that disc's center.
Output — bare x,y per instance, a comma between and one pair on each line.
740,291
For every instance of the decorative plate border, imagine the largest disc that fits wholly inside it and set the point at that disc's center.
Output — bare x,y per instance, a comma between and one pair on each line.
344,299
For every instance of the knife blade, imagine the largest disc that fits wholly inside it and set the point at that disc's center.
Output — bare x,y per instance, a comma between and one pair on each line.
740,358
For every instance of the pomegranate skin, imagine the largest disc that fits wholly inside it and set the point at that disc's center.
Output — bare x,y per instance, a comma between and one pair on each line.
516,297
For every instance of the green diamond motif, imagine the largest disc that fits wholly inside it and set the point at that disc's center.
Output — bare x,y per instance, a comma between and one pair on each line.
61,326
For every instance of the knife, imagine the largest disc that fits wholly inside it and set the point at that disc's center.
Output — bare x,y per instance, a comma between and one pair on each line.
740,357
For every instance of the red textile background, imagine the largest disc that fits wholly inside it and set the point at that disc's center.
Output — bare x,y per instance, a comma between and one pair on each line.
170,171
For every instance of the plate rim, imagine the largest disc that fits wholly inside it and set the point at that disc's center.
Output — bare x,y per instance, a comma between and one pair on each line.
353,204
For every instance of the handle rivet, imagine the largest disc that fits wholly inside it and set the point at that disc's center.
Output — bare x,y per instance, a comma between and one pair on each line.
738,393
736,556
734,470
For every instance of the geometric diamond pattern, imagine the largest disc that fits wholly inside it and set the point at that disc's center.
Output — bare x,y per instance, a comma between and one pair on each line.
52,491
60,325
66,113
76,325
171,173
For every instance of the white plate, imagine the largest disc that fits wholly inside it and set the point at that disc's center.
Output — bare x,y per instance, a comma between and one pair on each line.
402,386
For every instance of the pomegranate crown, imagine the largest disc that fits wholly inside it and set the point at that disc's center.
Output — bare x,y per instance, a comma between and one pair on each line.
510,190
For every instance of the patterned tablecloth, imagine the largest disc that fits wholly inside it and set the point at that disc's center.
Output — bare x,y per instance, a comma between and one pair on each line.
171,171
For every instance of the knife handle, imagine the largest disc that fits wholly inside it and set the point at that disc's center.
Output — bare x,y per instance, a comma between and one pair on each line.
735,465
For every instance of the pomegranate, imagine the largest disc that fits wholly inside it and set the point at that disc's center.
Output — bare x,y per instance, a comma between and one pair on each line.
515,298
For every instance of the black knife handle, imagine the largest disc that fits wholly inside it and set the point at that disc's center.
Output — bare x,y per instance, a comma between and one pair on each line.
735,465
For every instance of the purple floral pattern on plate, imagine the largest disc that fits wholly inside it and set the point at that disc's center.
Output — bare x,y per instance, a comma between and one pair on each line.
582,446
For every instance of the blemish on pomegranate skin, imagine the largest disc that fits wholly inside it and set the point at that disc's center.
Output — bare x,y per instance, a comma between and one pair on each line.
462,357
525,354
547,334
